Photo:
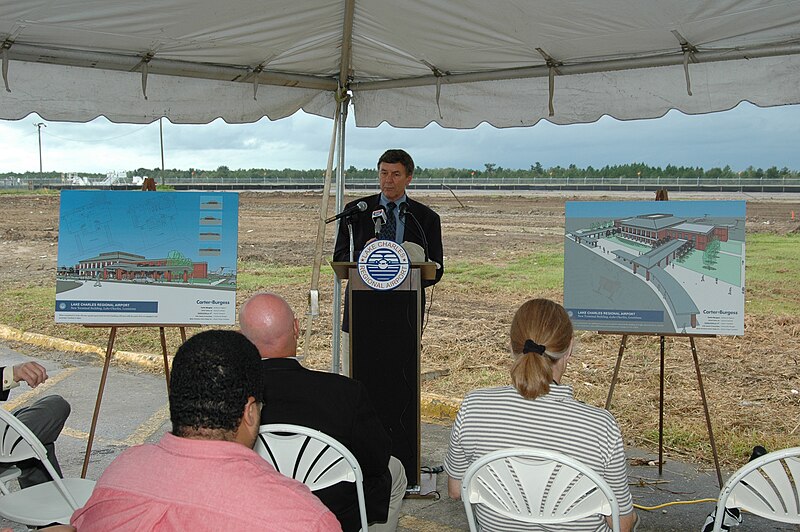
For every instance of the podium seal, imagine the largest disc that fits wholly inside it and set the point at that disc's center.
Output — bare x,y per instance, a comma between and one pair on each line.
383,265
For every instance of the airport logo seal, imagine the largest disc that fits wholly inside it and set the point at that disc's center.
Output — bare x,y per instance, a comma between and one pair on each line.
383,265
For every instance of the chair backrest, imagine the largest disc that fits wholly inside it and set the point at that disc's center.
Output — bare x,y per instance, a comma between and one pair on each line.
312,457
18,443
768,486
536,486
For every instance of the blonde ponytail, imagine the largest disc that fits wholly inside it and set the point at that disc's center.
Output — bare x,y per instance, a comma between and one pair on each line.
541,333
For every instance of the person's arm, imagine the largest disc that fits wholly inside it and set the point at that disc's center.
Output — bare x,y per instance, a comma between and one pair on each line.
626,522
433,235
454,488
456,462
616,475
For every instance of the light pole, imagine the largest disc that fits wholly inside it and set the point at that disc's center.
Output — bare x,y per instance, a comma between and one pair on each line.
161,137
39,126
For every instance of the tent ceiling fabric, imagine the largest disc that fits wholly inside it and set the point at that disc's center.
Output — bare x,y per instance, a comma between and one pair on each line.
454,62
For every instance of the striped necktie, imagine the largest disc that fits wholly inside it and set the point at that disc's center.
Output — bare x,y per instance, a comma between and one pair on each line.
389,229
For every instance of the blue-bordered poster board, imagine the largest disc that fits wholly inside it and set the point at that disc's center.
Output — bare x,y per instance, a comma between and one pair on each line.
132,257
673,267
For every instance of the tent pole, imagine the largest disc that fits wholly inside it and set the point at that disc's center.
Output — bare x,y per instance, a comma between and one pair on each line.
336,361
313,293
543,71
343,97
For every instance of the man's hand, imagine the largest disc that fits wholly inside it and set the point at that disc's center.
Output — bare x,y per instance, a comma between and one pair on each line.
31,372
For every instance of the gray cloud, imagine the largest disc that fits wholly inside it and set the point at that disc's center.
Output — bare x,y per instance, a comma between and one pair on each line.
746,135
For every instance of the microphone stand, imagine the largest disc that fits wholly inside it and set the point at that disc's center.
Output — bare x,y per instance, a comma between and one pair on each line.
421,232
350,232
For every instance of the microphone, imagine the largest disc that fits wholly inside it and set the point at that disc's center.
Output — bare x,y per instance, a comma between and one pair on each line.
379,217
361,206
401,211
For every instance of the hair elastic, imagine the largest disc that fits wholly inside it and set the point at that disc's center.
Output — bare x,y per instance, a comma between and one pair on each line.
532,347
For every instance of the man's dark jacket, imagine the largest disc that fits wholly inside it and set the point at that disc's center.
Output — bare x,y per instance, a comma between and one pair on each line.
3,394
339,407
364,230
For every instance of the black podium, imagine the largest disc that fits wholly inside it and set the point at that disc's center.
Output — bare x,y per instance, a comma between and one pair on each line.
385,329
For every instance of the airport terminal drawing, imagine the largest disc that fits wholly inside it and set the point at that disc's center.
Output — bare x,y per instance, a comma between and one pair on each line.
147,257
674,267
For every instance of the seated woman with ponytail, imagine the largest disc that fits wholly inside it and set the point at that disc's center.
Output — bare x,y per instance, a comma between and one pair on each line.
537,410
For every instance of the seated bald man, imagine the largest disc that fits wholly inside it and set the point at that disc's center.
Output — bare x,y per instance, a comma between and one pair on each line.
333,404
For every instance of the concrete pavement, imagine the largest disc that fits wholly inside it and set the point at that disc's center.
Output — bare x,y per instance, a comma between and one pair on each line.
134,410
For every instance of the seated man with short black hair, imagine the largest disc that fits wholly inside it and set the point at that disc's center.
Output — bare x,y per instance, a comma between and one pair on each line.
204,475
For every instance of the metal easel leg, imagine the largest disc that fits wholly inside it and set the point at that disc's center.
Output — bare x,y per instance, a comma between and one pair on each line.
164,353
705,410
109,350
616,370
661,412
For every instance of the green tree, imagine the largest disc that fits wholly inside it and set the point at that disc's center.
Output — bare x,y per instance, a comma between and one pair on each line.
711,254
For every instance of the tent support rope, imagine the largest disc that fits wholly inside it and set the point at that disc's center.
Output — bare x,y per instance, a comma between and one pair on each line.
144,80
145,62
5,67
686,72
689,50
438,94
256,71
313,294
552,69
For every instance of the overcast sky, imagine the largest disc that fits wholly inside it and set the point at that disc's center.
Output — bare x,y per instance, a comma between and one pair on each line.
744,136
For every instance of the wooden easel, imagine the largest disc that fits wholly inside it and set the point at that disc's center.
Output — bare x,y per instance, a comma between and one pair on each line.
661,393
109,353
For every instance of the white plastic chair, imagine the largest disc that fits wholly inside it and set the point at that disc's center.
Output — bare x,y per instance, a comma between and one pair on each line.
536,486
312,457
46,503
768,486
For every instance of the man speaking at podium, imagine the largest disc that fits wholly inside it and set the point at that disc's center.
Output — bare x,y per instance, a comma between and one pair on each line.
406,220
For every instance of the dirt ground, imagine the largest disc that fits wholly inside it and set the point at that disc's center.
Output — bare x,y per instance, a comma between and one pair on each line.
752,382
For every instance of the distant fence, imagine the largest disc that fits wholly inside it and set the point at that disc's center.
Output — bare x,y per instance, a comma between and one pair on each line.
682,184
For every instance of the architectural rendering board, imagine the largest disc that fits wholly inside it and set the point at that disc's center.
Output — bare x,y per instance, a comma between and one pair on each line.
655,266
147,258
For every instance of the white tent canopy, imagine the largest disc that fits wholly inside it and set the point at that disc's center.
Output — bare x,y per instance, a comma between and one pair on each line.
409,63
405,62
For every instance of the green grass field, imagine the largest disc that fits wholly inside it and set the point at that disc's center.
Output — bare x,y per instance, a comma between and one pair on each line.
771,266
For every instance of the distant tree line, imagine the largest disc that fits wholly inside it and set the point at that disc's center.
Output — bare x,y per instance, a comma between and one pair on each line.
490,170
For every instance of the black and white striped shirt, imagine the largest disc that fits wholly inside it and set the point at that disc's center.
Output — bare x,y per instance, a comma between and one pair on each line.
498,418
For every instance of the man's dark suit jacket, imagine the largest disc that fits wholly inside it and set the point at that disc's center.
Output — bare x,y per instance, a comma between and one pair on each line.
3,394
364,230
339,407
